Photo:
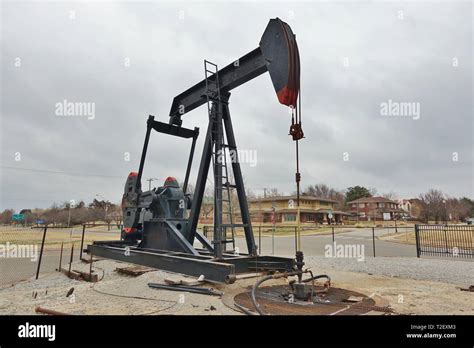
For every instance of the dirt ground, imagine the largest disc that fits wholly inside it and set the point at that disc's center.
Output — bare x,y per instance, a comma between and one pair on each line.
126,295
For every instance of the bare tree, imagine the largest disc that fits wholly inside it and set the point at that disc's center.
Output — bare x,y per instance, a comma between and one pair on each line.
457,209
207,206
389,195
324,191
6,216
273,192
434,204
319,190
116,214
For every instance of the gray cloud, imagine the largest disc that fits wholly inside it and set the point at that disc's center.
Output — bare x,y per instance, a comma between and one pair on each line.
83,60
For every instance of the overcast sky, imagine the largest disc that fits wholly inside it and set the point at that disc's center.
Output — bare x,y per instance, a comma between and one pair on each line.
131,59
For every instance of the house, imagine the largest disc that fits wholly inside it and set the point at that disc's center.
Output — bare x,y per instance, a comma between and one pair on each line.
405,205
283,209
416,208
375,208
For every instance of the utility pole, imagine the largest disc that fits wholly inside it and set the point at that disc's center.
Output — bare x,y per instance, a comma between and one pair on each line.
445,212
69,217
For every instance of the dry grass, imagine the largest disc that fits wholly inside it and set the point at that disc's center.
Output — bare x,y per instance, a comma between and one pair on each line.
55,236
436,240
401,237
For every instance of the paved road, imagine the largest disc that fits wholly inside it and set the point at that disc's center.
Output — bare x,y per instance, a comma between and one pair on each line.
315,244
16,269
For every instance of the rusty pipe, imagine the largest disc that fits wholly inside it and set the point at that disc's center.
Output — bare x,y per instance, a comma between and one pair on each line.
39,309
273,276
326,285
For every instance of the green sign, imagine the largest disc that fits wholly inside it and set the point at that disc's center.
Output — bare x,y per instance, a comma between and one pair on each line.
18,217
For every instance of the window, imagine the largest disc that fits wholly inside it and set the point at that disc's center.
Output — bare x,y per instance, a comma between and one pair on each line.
362,214
290,217
381,205
361,205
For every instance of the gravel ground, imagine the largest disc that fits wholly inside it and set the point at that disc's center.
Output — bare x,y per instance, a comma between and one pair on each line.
439,270
118,294
113,294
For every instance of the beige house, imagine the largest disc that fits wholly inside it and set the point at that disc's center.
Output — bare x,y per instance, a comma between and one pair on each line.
283,209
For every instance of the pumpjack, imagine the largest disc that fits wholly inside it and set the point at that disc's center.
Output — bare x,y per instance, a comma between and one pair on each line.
161,225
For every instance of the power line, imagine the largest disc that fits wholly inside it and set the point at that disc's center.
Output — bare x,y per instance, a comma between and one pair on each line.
61,172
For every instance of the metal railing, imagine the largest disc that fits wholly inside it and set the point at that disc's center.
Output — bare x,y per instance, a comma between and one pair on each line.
445,240
291,230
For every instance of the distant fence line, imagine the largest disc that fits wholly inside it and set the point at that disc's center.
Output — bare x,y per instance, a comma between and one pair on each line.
453,241
44,247
259,230
445,240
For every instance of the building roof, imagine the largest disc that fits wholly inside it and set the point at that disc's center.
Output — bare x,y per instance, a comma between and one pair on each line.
302,210
293,197
403,201
372,200
327,211
415,200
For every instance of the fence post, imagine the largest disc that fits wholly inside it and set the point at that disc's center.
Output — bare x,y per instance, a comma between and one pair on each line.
72,257
61,257
41,252
259,240
273,240
446,238
373,239
417,239
90,267
82,241
296,239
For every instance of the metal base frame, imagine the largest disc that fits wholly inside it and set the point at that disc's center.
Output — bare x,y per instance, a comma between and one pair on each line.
222,271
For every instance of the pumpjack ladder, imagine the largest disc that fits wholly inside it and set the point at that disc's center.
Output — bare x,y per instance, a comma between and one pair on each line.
222,187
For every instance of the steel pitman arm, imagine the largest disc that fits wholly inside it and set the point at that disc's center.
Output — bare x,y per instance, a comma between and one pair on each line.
277,53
